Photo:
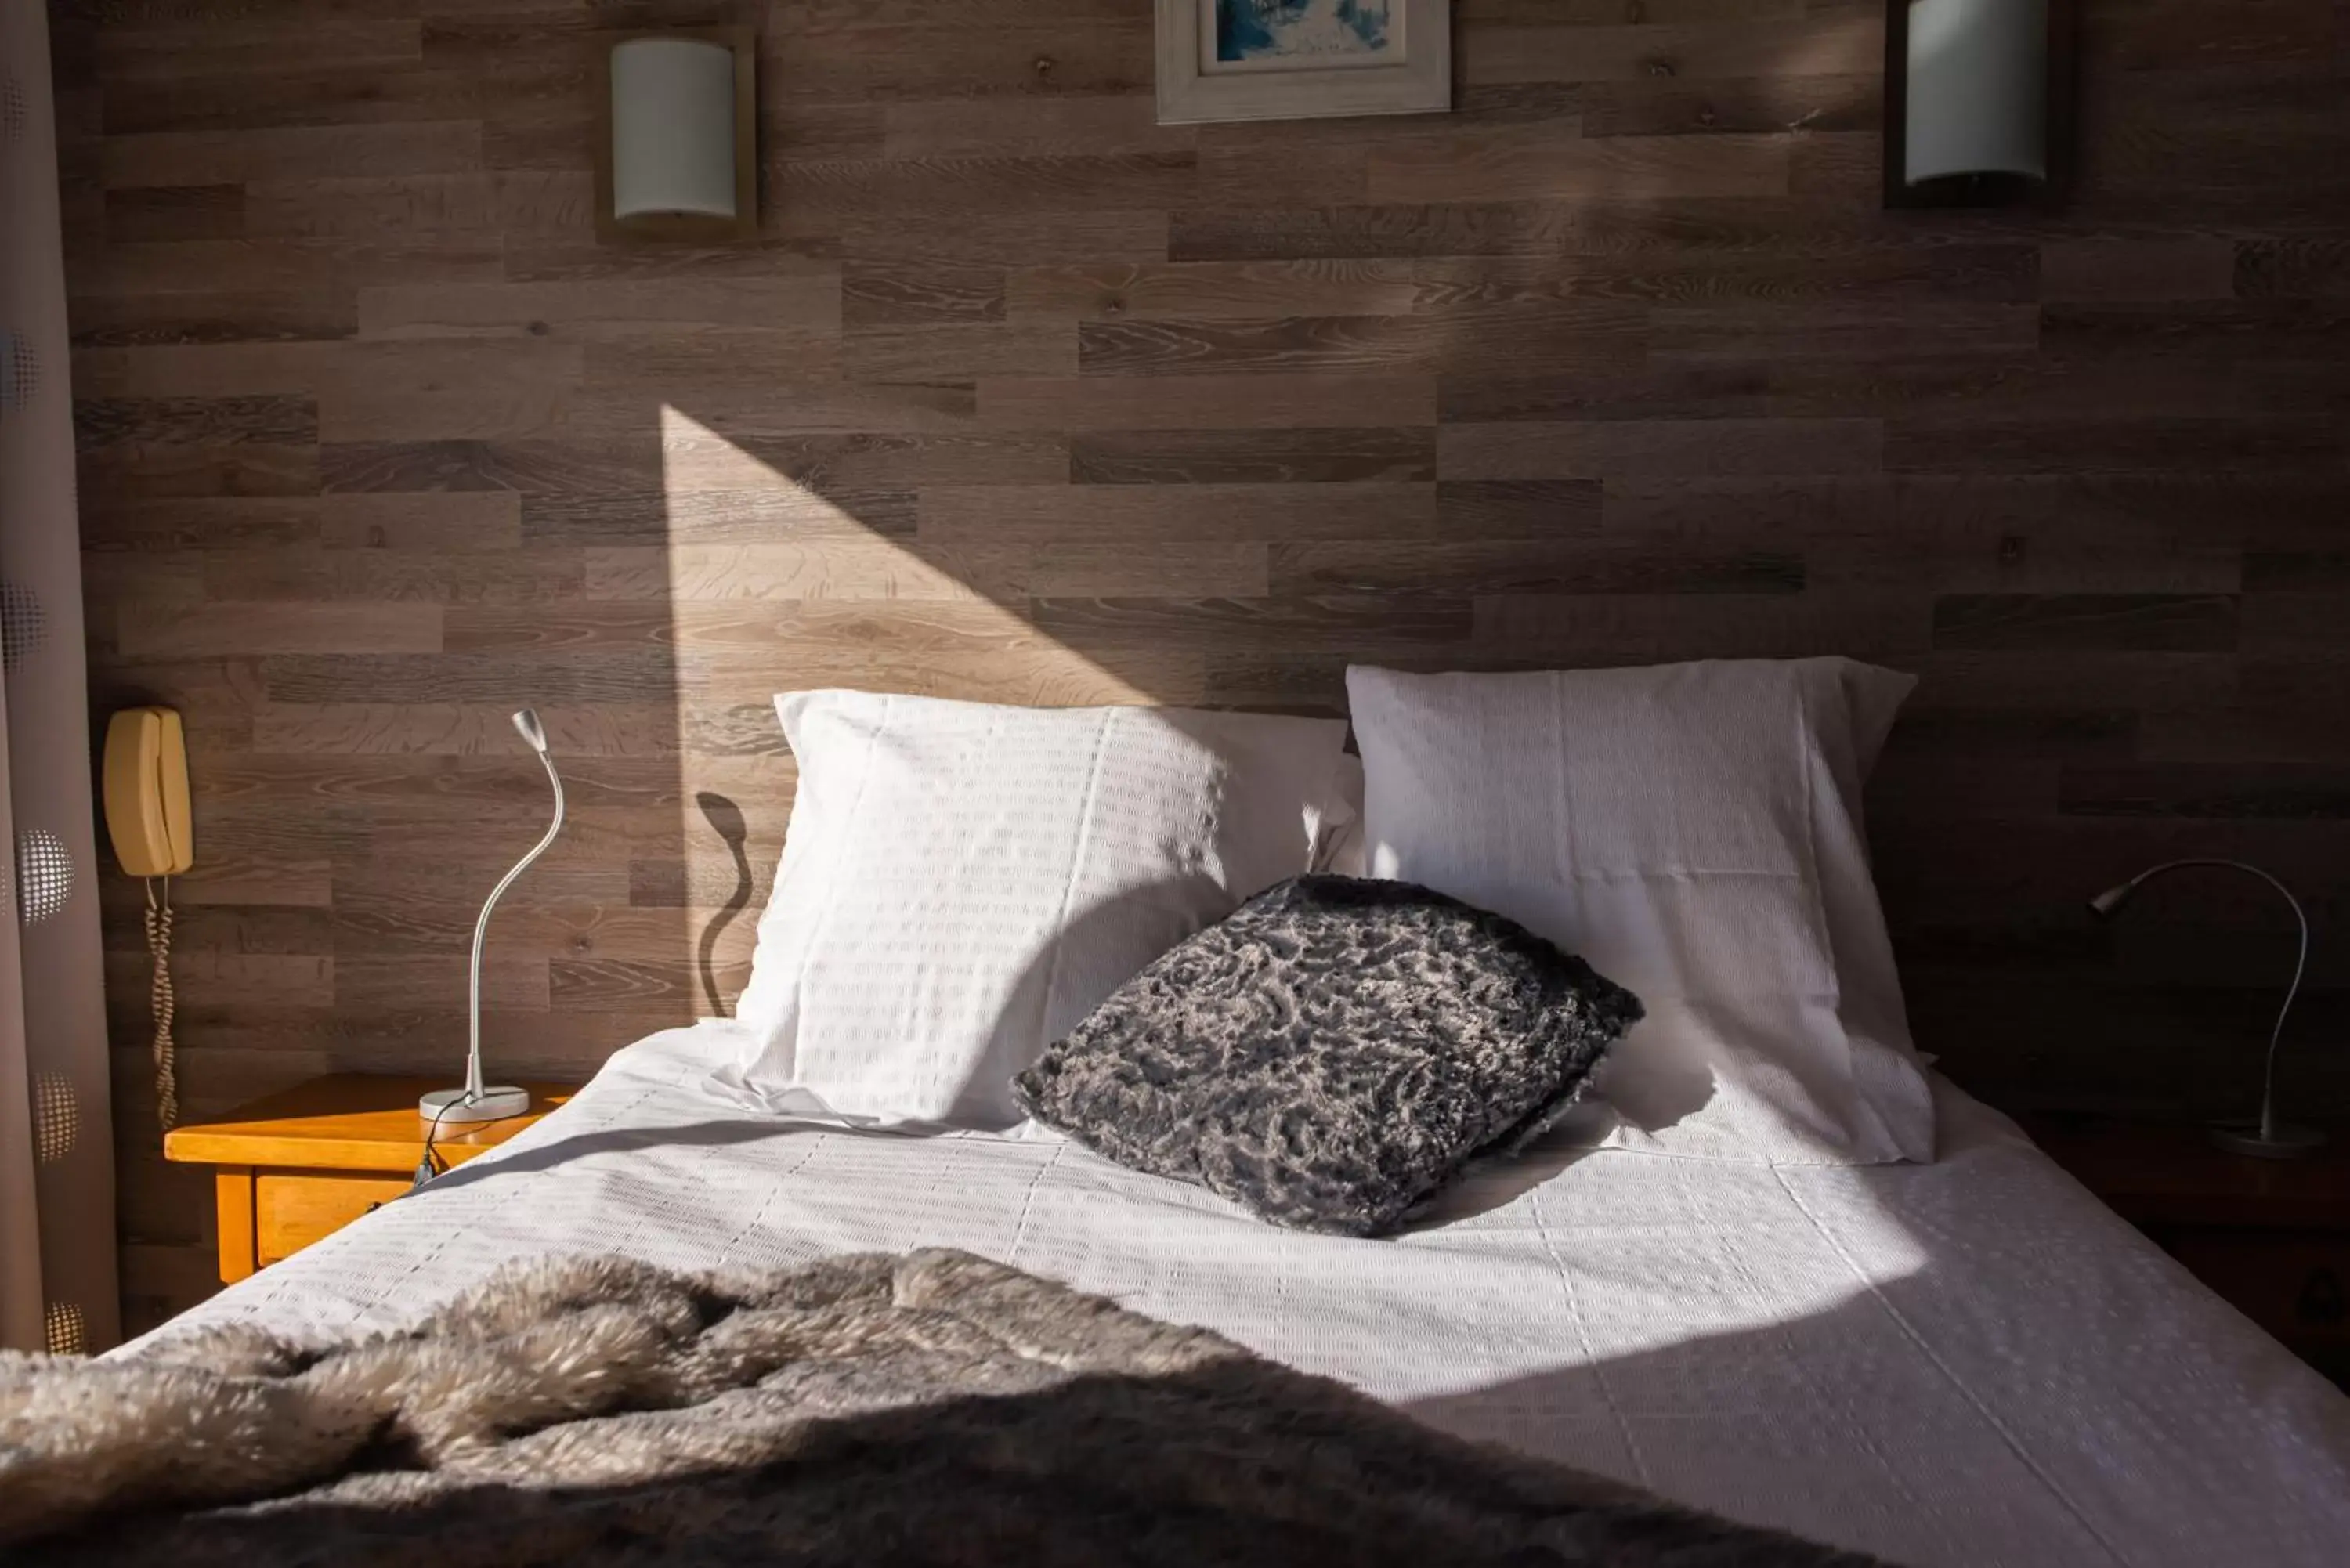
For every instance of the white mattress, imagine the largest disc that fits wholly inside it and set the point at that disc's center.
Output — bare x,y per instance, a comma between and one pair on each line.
1966,1363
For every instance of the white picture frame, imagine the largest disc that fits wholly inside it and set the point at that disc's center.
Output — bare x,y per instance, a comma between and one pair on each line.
1408,72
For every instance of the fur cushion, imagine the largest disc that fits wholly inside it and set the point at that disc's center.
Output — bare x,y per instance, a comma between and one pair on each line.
1333,1053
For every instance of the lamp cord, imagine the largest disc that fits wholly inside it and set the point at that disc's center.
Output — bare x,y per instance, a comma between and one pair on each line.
2300,964
425,1169
163,1005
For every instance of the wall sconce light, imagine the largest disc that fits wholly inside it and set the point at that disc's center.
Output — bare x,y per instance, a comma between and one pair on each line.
677,156
1978,102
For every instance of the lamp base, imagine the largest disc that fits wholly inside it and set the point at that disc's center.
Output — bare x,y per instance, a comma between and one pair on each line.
447,1107
2288,1140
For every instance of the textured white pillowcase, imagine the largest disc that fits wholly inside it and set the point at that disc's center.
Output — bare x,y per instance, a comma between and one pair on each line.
1693,831
962,883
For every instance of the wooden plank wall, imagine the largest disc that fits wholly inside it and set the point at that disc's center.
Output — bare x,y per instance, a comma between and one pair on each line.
1023,396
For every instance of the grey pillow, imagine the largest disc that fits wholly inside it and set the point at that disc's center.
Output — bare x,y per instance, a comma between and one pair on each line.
1333,1053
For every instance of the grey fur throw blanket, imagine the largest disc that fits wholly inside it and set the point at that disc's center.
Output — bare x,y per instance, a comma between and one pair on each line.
934,1408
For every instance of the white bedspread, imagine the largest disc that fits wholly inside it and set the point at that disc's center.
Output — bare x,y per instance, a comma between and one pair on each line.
1968,1362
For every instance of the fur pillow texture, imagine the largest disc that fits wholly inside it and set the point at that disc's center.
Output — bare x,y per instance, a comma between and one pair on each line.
1333,1053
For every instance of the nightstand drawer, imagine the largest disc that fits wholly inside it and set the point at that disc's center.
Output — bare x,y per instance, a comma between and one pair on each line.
292,1209
296,1167
2293,1283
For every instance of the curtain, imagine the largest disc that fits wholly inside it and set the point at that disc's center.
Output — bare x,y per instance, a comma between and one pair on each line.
57,1146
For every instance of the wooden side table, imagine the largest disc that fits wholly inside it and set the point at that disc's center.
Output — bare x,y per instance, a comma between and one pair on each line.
296,1167
2270,1236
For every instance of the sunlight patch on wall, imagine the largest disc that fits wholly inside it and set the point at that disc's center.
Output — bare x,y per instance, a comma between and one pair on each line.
775,584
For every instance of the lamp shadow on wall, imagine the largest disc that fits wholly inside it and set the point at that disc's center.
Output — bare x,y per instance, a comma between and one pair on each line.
725,819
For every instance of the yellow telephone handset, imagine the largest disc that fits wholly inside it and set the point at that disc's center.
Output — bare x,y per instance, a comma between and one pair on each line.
147,791
147,817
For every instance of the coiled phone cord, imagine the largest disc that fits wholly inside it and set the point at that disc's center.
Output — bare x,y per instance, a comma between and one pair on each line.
161,1003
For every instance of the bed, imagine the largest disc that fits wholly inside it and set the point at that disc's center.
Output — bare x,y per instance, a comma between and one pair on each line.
1775,1269
1967,1362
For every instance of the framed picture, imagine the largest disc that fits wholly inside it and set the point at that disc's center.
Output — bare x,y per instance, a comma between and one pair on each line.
1301,59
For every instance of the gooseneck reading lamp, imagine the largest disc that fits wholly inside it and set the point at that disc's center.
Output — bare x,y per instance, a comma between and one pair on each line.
474,1103
2268,1137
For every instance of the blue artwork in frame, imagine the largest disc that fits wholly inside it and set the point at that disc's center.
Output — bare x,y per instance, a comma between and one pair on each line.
1302,33
1297,59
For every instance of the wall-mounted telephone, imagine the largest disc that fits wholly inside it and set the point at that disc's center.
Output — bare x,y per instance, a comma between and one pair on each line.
147,817
147,791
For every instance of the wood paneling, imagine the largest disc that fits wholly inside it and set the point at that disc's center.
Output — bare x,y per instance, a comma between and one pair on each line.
1021,396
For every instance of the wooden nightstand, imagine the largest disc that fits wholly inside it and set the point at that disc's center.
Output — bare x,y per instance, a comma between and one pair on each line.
301,1165
2271,1237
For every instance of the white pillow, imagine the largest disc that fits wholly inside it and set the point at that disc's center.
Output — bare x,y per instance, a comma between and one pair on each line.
961,884
1693,831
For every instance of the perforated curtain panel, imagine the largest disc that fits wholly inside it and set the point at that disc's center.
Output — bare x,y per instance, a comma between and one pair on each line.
57,1154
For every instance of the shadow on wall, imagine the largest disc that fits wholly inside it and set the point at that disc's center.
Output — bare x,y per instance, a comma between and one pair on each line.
725,819
1047,466
1593,371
